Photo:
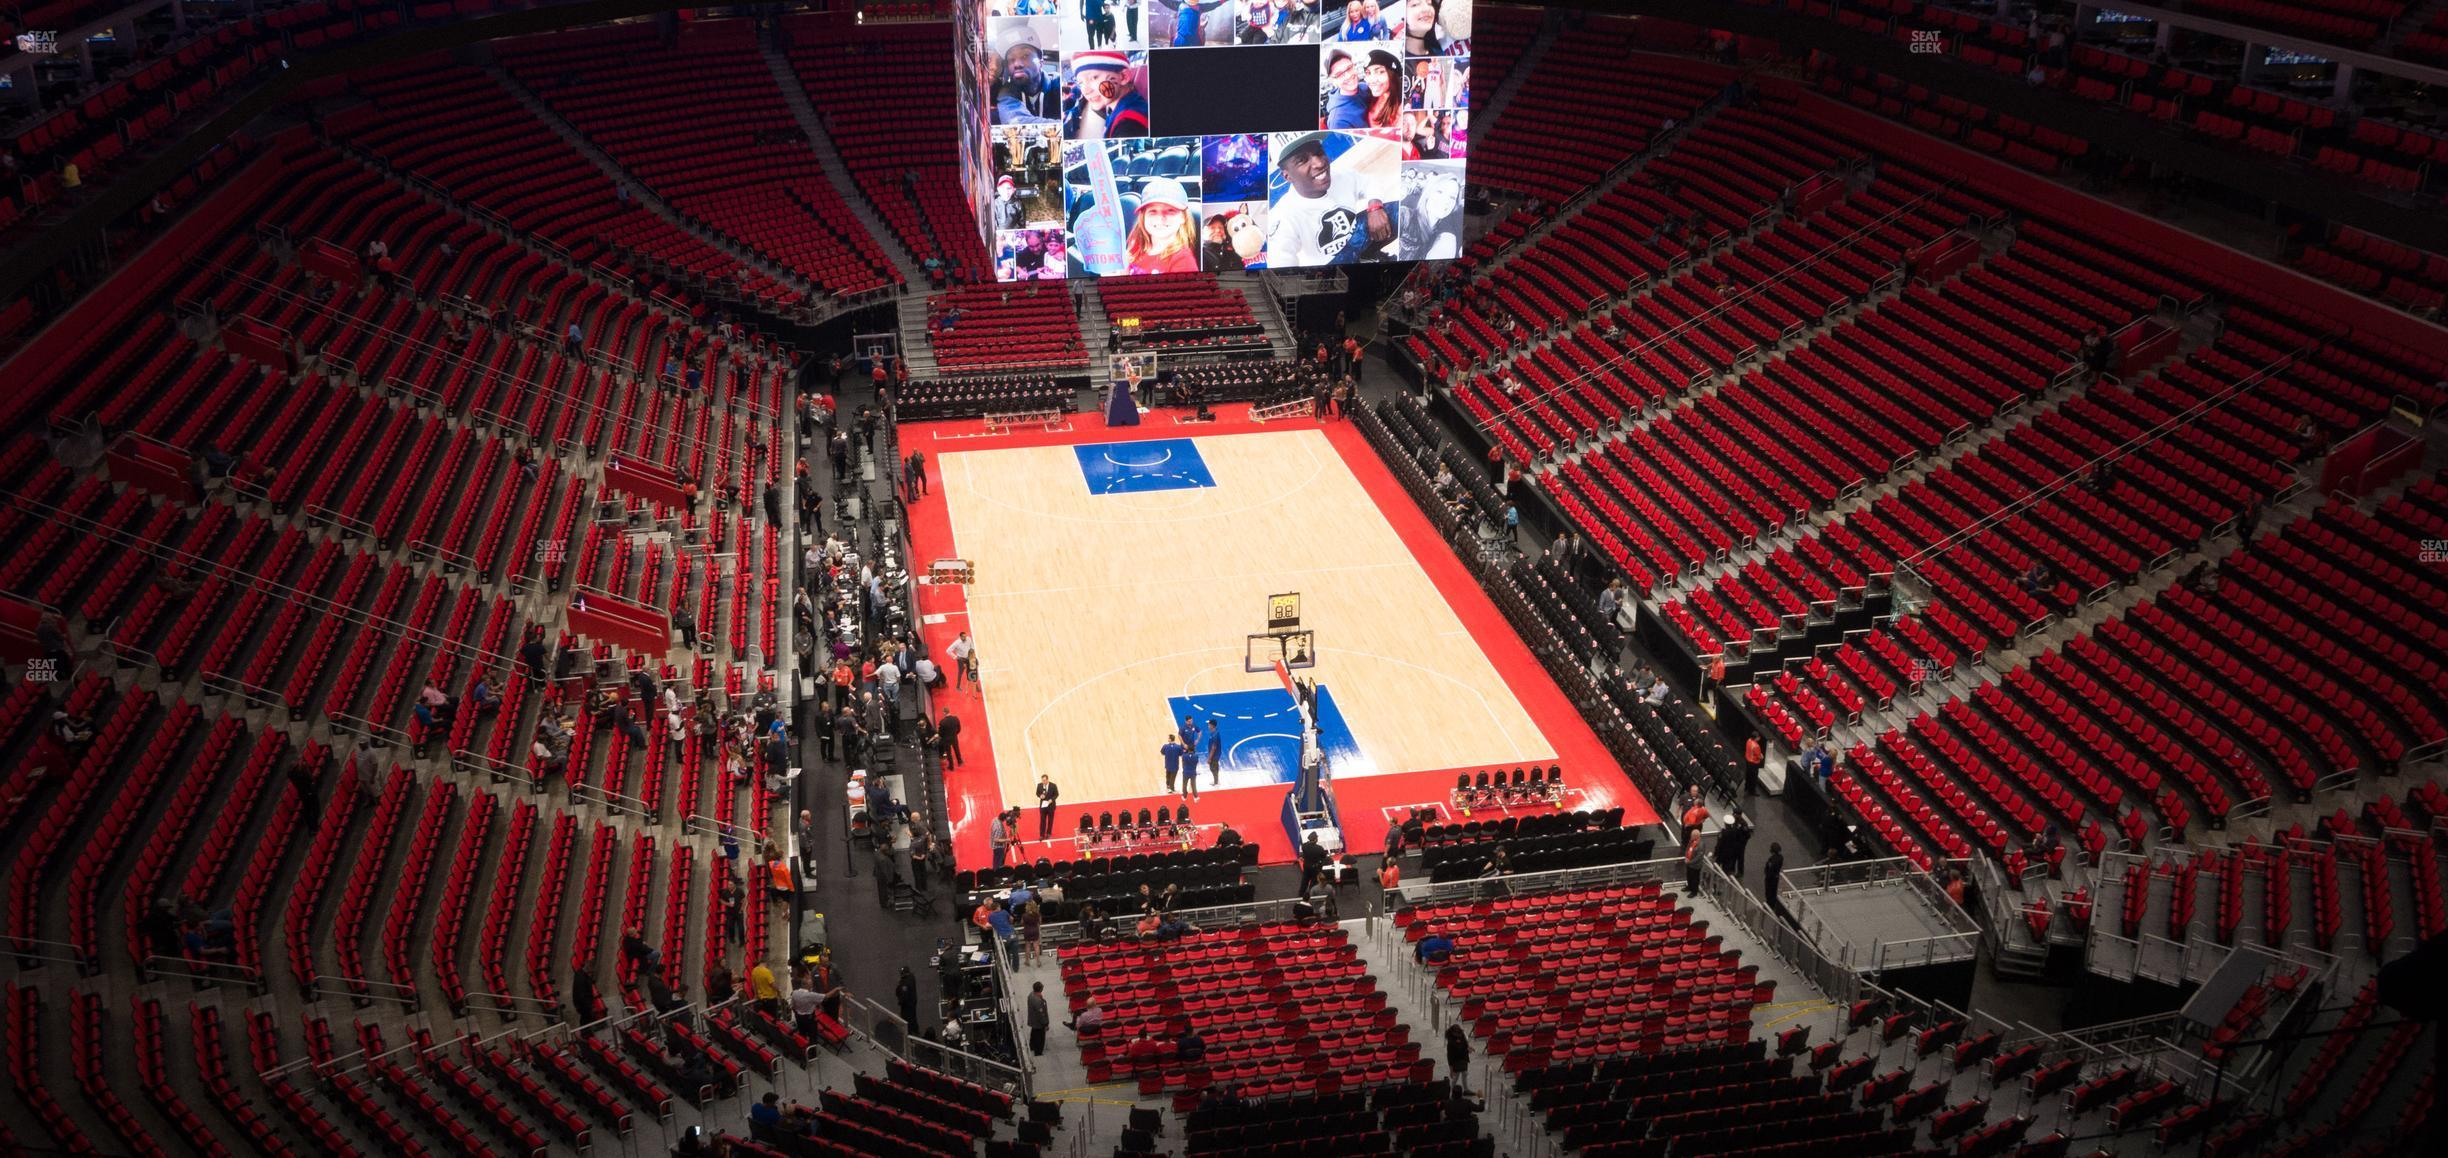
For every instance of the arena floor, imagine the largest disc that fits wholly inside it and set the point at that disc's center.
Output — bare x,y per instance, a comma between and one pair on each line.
1119,573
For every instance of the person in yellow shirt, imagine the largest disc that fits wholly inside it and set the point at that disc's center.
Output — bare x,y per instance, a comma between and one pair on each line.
761,983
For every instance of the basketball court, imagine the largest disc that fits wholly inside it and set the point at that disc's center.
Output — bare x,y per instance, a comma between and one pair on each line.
1124,579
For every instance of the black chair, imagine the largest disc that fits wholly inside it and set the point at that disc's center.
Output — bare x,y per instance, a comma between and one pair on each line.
1461,783
1147,1121
1087,824
1164,816
1145,821
1183,817
1105,822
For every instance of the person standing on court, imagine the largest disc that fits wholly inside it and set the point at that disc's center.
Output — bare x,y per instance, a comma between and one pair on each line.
947,733
964,654
1215,751
1047,794
1039,1019
999,836
1173,759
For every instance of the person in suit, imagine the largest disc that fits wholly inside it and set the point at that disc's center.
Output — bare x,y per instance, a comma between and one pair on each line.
1313,863
1732,841
1047,794
947,733
1039,1020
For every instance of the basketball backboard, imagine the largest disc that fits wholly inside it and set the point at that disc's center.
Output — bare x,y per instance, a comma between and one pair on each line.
1296,649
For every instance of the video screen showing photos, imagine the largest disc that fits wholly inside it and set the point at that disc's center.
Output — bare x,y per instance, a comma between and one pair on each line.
1174,136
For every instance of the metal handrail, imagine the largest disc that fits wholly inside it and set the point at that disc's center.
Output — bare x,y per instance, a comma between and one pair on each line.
1898,954
681,436
1488,888
502,771
924,1052
2075,477
159,965
373,990
16,947
131,540
508,1003
1067,932
1741,297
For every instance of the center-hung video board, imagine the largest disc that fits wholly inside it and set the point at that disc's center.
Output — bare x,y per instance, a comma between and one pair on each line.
1103,138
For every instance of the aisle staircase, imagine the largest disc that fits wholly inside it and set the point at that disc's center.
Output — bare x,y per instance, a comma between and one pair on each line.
825,302
911,315
1282,342
1095,328
794,95
1550,31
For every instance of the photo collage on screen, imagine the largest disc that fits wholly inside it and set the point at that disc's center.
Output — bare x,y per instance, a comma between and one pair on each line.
1081,186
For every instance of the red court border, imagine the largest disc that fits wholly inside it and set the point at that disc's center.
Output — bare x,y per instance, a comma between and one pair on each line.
973,793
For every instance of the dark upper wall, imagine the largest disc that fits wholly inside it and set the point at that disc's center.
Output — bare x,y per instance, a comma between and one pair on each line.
2106,127
132,187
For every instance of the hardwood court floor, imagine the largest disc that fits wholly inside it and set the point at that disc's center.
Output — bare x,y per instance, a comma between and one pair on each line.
1090,610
